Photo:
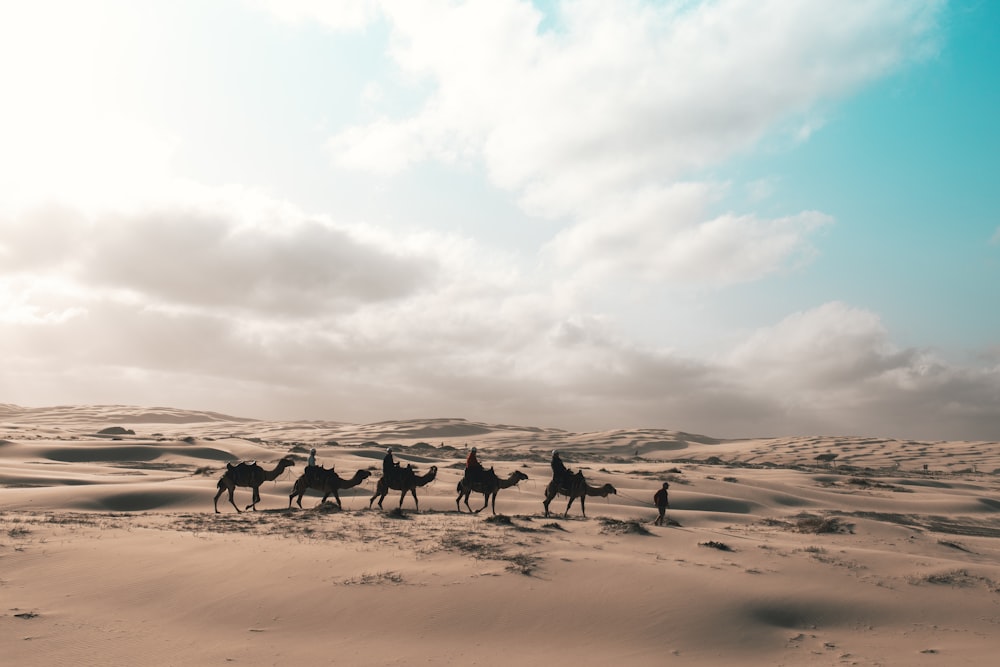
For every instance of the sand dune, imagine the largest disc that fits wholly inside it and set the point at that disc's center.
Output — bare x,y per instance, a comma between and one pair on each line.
778,552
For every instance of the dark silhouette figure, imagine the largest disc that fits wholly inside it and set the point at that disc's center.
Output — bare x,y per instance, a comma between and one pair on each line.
405,480
662,504
318,478
473,468
248,474
488,485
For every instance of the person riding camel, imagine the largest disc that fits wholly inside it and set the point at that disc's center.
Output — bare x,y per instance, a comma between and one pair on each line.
473,468
389,465
312,458
560,474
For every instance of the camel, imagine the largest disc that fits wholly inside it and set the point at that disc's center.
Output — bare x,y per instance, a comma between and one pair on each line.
405,480
248,474
576,487
488,485
327,481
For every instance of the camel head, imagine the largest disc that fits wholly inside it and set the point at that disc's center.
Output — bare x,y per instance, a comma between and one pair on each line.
607,490
429,477
362,475
517,476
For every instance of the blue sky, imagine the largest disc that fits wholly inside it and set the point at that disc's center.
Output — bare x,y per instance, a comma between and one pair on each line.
739,218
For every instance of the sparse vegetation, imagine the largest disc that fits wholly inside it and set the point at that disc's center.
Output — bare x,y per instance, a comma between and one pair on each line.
387,577
712,544
808,523
960,578
616,527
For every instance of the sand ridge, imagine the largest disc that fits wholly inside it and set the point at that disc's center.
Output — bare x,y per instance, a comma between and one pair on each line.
110,551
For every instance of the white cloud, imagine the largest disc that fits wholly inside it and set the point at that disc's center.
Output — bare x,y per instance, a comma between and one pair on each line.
667,235
177,256
224,298
627,92
599,120
831,346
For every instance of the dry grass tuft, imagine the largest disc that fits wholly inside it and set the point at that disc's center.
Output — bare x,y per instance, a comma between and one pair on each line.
816,525
960,578
616,527
375,578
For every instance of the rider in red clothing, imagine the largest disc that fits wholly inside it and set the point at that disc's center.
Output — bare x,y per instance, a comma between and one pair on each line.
473,468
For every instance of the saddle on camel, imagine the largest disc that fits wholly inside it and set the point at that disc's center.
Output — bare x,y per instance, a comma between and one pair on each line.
562,477
474,471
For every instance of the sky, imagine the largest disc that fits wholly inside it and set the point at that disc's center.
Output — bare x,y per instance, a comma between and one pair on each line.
740,218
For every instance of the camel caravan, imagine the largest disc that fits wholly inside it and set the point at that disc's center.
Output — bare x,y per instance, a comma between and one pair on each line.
407,480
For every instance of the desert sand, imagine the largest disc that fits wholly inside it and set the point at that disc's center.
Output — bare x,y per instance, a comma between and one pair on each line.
785,551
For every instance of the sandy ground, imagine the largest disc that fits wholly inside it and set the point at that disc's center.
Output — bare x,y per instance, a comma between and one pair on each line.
111,552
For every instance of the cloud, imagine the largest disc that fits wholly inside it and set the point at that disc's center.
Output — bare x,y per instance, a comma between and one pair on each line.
623,93
667,235
602,121
202,257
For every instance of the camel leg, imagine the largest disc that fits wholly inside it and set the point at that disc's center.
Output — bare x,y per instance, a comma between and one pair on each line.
336,496
583,505
416,503
254,499
568,505
468,494
494,501
486,501
231,501
216,501
380,492
548,499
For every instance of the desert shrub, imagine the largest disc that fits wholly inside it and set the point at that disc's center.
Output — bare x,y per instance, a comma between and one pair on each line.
808,523
375,578
522,564
712,544
958,578
500,520
616,527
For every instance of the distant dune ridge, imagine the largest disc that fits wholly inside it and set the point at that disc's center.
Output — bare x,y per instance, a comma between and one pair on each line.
796,550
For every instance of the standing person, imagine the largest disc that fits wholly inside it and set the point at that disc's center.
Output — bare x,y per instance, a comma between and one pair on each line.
473,468
662,503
